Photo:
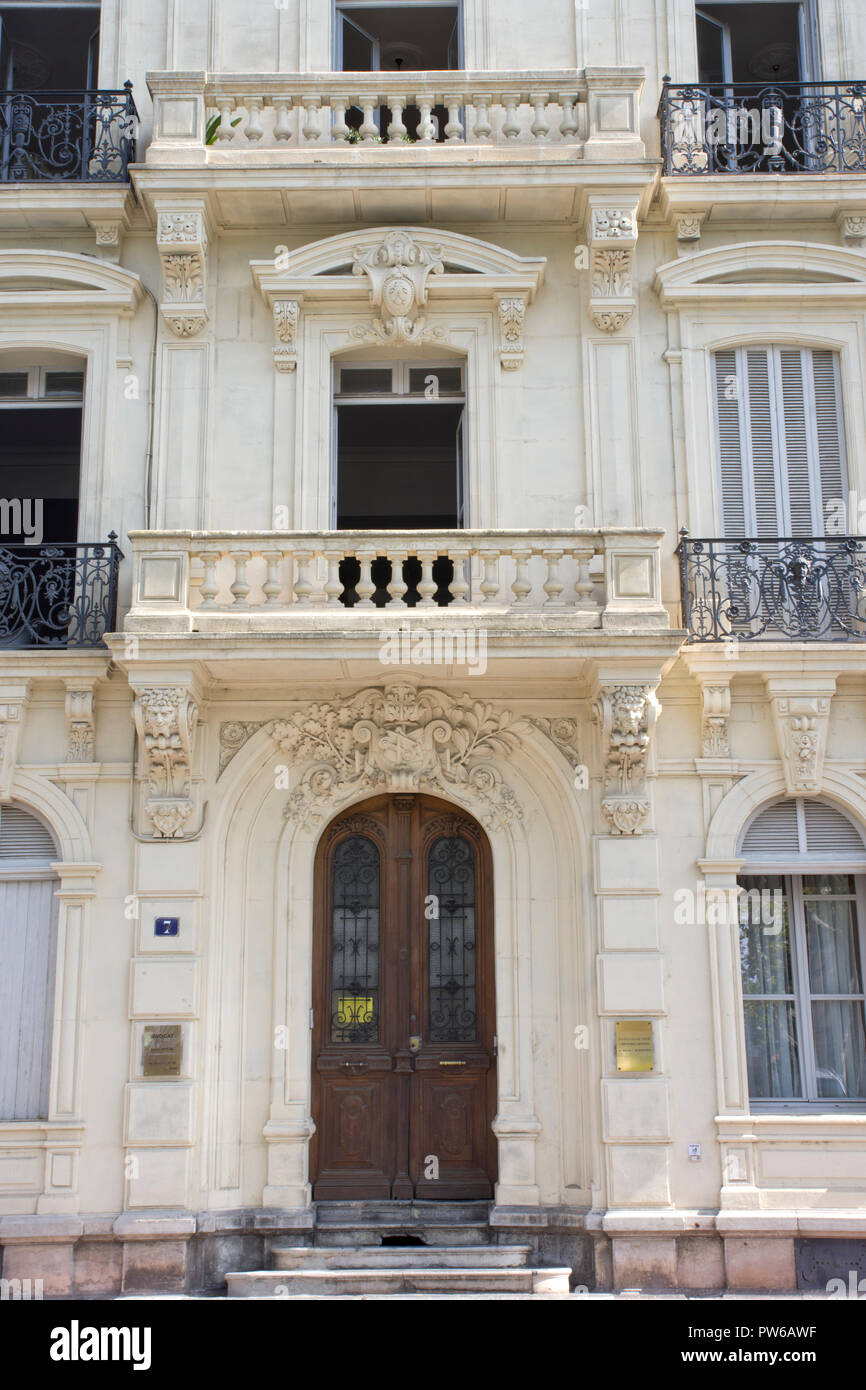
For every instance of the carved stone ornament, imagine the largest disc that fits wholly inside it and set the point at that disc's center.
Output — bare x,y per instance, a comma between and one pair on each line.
801,729
689,227
613,237
717,709
626,715
182,244
287,313
165,717
397,270
79,724
400,739
512,314
233,735
563,733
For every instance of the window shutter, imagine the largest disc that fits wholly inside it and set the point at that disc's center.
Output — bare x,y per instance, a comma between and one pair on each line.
828,831
22,836
762,443
773,832
734,521
795,443
800,826
828,427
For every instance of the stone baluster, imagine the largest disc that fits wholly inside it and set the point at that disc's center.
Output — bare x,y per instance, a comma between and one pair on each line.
396,130
239,587
209,587
521,586
333,584
254,129
460,584
397,585
272,588
365,588
482,129
583,585
312,127
539,126
303,583
454,128
226,107
568,124
369,129
511,125
282,129
426,584
490,582
553,585
339,129
426,126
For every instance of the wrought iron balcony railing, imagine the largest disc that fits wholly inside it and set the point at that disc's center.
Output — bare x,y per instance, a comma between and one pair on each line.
752,128
67,136
58,595
810,589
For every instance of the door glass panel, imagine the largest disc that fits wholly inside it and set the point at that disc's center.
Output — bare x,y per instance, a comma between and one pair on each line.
831,938
771,1051
355,881
451,960
840,1049
765,951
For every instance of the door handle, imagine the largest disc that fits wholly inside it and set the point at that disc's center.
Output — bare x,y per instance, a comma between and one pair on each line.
355,1064
452,1064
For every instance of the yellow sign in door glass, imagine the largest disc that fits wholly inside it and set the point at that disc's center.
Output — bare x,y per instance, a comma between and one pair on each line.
354,1009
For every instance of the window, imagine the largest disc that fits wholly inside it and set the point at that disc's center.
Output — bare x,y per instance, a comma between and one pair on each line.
802,953
28,949
399,460
40,448
780,438
49,47
415,37
742,42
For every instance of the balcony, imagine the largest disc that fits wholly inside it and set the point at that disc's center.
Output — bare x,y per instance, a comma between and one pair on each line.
788,128
67,137
62,596
798,589
462,135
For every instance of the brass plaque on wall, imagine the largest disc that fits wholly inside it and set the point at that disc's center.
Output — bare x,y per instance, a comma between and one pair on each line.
161,1049
634,1045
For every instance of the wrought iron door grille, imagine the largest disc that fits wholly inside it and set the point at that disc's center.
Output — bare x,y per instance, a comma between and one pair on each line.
355,941
67,136
806,589
452,942
58,595
753,128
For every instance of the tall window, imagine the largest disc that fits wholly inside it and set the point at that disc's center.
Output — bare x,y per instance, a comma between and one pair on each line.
49,47
40,448
753,43
781,448
802,954
28,949
396,36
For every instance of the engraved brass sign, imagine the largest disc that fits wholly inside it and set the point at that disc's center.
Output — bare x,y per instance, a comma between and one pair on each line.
161,1049
634,1045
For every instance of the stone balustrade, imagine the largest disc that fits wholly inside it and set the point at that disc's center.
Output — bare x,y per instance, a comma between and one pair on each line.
589,112
277,581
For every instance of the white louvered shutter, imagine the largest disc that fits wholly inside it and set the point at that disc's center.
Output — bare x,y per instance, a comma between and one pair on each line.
763,445
829,441
731,451
28,950
799,826
795,443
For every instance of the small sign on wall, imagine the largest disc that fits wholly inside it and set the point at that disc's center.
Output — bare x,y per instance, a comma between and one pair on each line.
634,1045
161,1049
166,926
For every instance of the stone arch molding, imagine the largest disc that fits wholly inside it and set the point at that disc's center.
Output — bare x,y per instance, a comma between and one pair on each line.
759,270
71,281
336,755
399,286
759,789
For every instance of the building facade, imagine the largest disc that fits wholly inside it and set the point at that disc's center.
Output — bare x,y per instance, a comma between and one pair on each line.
433,655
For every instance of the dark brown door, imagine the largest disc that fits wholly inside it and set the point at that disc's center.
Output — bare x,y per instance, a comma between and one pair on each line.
404,1076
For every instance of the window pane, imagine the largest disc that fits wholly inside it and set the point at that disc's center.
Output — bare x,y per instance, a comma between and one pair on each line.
355,942
13,386
452,953
442,380
840,1049
834,955
824,884
64,384
771,1051
365,381
765,951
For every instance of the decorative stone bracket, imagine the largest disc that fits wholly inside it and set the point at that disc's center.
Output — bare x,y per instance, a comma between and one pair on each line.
80,722
716,713
512,314
165,718
13,706
287,315
626,715
182,243
612,241
397,270
801,712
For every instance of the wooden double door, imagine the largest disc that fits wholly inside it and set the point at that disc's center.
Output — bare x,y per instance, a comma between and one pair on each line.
404,1071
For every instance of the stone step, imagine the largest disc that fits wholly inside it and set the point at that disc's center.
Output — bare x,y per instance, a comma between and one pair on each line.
347,1215
376,1257
347,1282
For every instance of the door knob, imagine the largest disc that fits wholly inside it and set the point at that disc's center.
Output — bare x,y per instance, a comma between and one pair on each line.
415,1043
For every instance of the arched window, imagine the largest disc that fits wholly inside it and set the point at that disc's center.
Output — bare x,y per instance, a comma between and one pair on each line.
28,950
802,953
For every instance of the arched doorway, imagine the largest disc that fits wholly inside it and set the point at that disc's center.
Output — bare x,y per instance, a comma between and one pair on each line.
404,1070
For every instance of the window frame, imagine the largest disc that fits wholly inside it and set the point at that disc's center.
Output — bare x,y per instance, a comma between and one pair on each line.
349,5
807,25
36,382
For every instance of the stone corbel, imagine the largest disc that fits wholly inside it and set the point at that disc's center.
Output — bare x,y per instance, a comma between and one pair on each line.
689,227
166,718
716,713
182,243
108,233
612,241
80,725
626,716
801,713
13,706
512,315
852,229
287,314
